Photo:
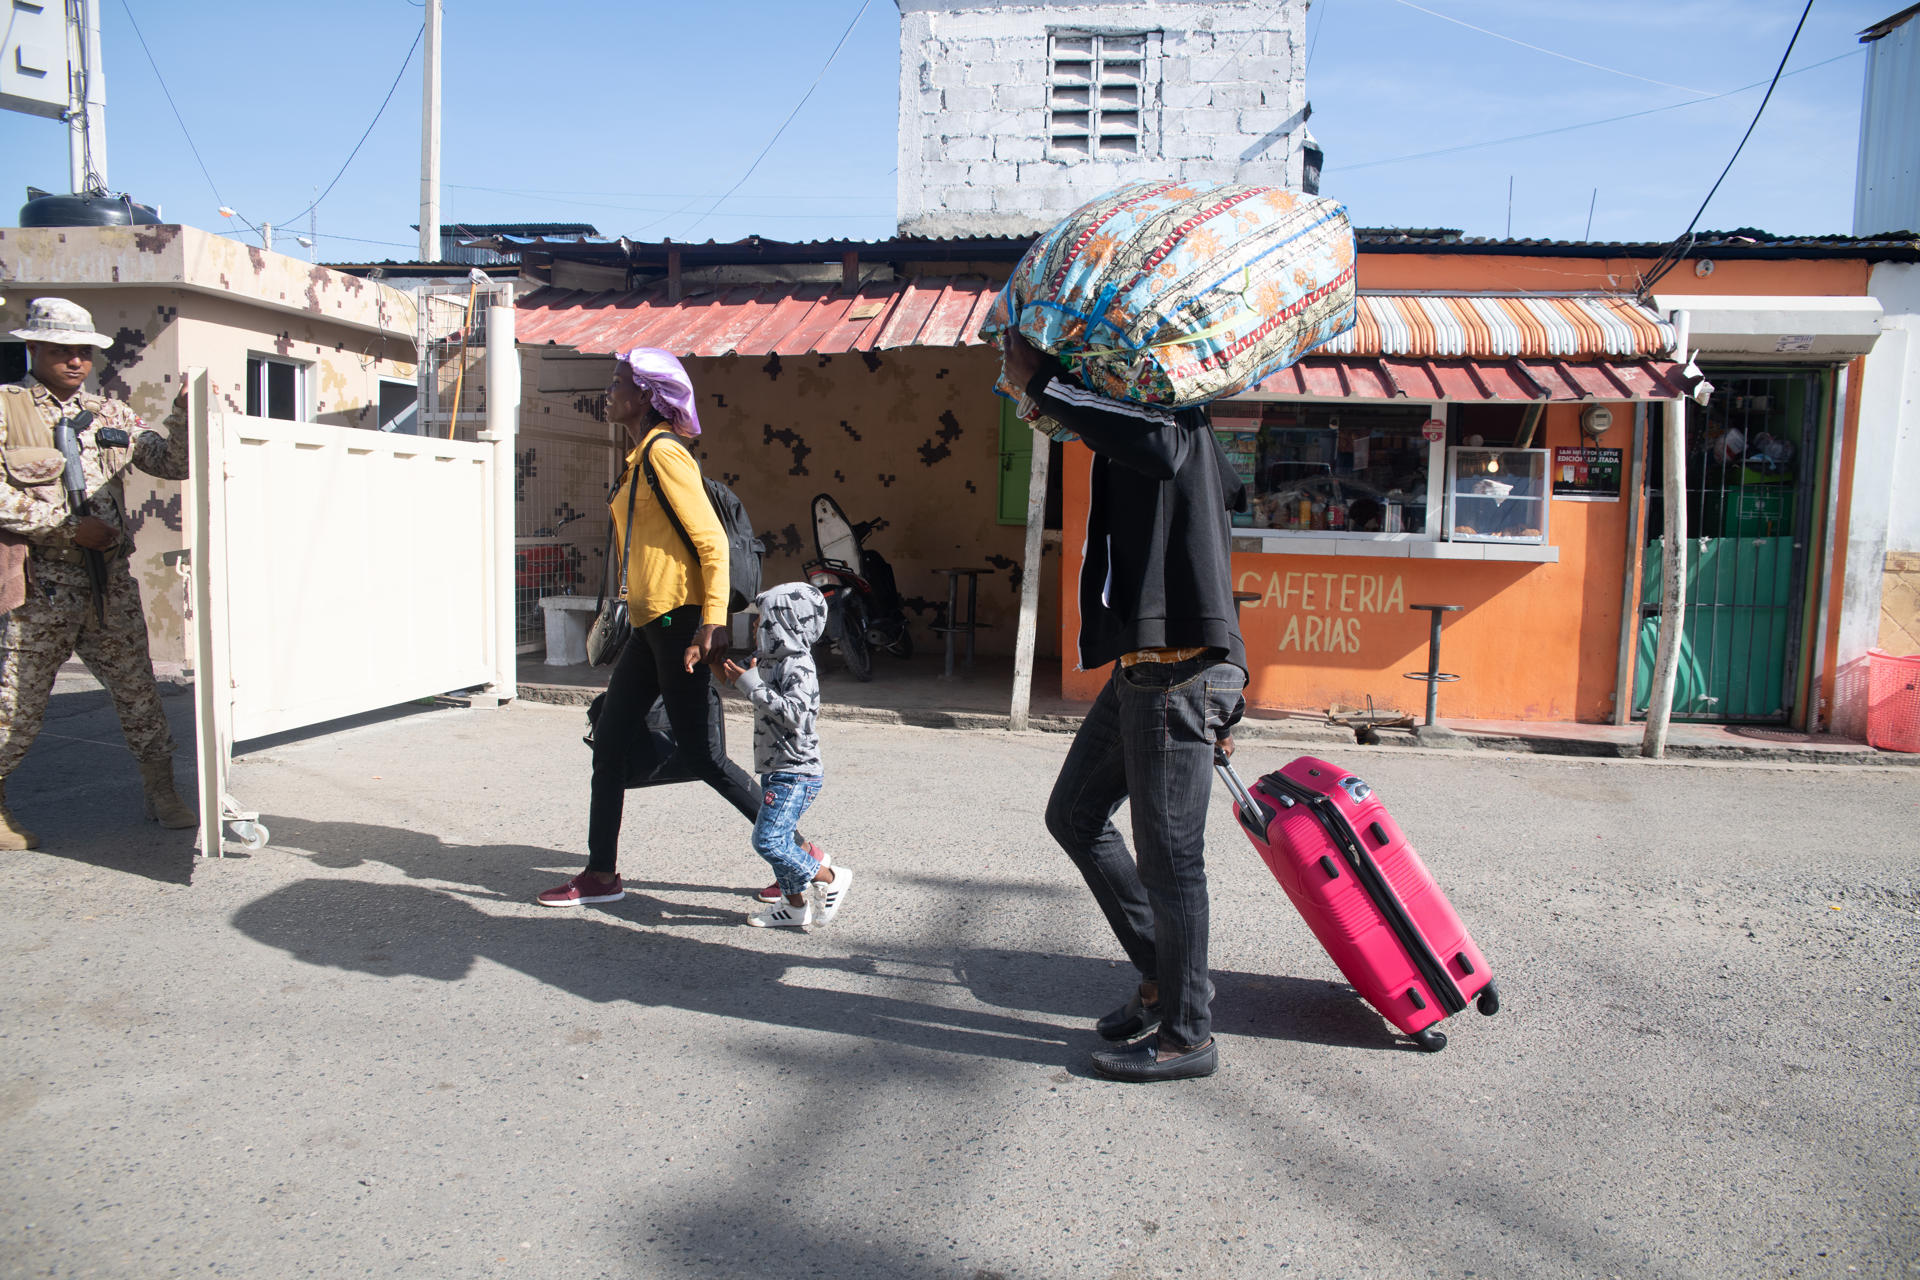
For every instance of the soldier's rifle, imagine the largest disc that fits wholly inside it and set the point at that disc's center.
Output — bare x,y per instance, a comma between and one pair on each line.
66,434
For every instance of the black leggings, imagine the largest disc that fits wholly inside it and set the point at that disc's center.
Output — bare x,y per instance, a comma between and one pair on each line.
652,665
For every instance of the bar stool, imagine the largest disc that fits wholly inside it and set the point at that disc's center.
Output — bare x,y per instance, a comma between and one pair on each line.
1433,675
957,623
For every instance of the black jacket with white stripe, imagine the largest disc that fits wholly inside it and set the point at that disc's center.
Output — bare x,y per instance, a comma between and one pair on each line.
1156,571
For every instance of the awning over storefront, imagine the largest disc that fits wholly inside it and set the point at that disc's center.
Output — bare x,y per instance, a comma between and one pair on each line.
1403,346
1431,380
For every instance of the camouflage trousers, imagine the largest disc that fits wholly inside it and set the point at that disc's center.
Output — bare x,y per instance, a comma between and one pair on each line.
57,621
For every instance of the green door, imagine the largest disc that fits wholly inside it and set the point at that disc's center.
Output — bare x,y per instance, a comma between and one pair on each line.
1016,463
1753,455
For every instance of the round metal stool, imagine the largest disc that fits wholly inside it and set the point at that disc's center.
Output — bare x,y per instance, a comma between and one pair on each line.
1433,675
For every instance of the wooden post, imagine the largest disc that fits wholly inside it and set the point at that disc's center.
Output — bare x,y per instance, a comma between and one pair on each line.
1623,680
1029,630
1673,591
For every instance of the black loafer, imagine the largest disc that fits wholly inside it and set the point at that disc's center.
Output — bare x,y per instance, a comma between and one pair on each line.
1140,1063
1134,1018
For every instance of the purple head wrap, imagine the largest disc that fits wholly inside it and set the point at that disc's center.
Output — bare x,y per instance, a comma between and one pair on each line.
659,374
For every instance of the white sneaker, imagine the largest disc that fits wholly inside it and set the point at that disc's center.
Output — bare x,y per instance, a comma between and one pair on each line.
784,915
829,898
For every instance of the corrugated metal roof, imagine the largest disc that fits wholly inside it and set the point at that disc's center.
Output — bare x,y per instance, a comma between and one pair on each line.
946,312
769,319
1389,378
1496,325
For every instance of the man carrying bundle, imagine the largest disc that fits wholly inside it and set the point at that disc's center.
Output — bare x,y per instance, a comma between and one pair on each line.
1156,600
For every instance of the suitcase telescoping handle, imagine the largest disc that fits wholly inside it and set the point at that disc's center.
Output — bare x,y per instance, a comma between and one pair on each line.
1253,814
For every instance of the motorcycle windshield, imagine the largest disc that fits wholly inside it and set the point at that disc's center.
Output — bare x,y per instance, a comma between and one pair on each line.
833,533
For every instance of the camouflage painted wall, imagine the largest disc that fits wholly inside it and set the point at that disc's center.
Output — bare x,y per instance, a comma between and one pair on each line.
910,437
174,297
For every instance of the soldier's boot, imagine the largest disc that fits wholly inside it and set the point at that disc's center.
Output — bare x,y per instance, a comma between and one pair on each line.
12,834
164,805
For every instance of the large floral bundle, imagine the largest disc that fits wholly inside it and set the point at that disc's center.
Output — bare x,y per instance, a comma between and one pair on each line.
1178,293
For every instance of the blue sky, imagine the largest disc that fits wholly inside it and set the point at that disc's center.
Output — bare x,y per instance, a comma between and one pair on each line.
637,117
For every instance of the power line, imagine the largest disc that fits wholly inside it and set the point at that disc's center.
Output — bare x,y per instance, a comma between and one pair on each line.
1585,124
783,124
1678,249
334,235
1317,32
642,195
1552,53
405,63
168,94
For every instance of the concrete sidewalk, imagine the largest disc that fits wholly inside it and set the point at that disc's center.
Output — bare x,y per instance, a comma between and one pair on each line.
915,692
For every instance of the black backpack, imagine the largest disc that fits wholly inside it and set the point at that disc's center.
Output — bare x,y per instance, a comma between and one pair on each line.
743,548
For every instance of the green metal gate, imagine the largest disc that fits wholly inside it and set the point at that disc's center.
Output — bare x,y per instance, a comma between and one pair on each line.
1753,457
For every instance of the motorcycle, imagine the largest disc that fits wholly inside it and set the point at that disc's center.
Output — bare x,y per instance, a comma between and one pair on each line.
864,611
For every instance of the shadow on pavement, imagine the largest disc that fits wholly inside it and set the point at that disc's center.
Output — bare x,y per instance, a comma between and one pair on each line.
628,951
1305,1010
395,930
79,789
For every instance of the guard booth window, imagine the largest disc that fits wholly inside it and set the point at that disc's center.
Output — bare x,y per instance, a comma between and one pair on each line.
275,389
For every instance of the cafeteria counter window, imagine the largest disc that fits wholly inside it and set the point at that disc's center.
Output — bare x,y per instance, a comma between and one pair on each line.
1361,478
1334,469
1497,495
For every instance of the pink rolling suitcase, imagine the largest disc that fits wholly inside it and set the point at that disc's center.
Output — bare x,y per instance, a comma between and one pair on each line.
1359,885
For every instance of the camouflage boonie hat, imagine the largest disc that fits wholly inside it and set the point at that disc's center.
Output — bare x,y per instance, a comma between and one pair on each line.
67,324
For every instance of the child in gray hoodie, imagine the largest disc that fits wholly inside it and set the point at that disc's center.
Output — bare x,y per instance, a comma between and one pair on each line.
784,688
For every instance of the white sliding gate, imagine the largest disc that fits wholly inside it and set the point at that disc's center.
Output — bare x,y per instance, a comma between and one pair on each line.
336,571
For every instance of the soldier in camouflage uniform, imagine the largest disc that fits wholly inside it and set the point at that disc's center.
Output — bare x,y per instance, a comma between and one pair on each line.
58,606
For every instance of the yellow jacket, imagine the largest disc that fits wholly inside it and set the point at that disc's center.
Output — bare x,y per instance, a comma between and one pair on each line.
662,574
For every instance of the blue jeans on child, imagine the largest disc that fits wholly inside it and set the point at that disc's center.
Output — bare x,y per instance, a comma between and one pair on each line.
784,797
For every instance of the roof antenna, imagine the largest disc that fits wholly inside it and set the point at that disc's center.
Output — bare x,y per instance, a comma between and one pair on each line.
1509,206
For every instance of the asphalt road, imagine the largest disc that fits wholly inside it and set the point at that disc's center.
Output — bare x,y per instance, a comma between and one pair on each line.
365,1051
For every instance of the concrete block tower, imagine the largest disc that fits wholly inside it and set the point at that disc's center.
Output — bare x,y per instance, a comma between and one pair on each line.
1013,114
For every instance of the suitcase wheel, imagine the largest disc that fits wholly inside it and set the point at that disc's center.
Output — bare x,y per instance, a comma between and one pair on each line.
1489,1002
1430,1040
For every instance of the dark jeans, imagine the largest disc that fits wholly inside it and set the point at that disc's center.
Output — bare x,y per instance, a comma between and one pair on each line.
1149,739
652,665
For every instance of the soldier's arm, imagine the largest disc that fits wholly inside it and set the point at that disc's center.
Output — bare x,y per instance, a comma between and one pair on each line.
164,456
37,513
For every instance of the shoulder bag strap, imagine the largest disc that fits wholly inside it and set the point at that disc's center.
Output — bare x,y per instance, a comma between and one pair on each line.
626,546
653,479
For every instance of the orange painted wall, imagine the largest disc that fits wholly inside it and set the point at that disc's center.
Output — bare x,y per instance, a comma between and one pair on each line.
1837,277
1534,642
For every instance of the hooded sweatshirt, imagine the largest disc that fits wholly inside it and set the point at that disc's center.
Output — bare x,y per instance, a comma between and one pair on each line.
783,684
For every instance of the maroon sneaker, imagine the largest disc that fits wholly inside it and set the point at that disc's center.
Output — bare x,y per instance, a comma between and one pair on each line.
582,890
774,893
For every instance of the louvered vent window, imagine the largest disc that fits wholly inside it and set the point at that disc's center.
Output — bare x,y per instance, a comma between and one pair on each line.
1097,87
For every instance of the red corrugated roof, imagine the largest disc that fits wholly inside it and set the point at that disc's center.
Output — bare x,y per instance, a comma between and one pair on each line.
755,320
1559,349
1388,378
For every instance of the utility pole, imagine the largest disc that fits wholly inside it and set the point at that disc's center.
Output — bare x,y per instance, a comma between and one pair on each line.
266,236
86,99
430,141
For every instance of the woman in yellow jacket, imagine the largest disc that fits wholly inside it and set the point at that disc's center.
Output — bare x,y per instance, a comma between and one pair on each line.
677,602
